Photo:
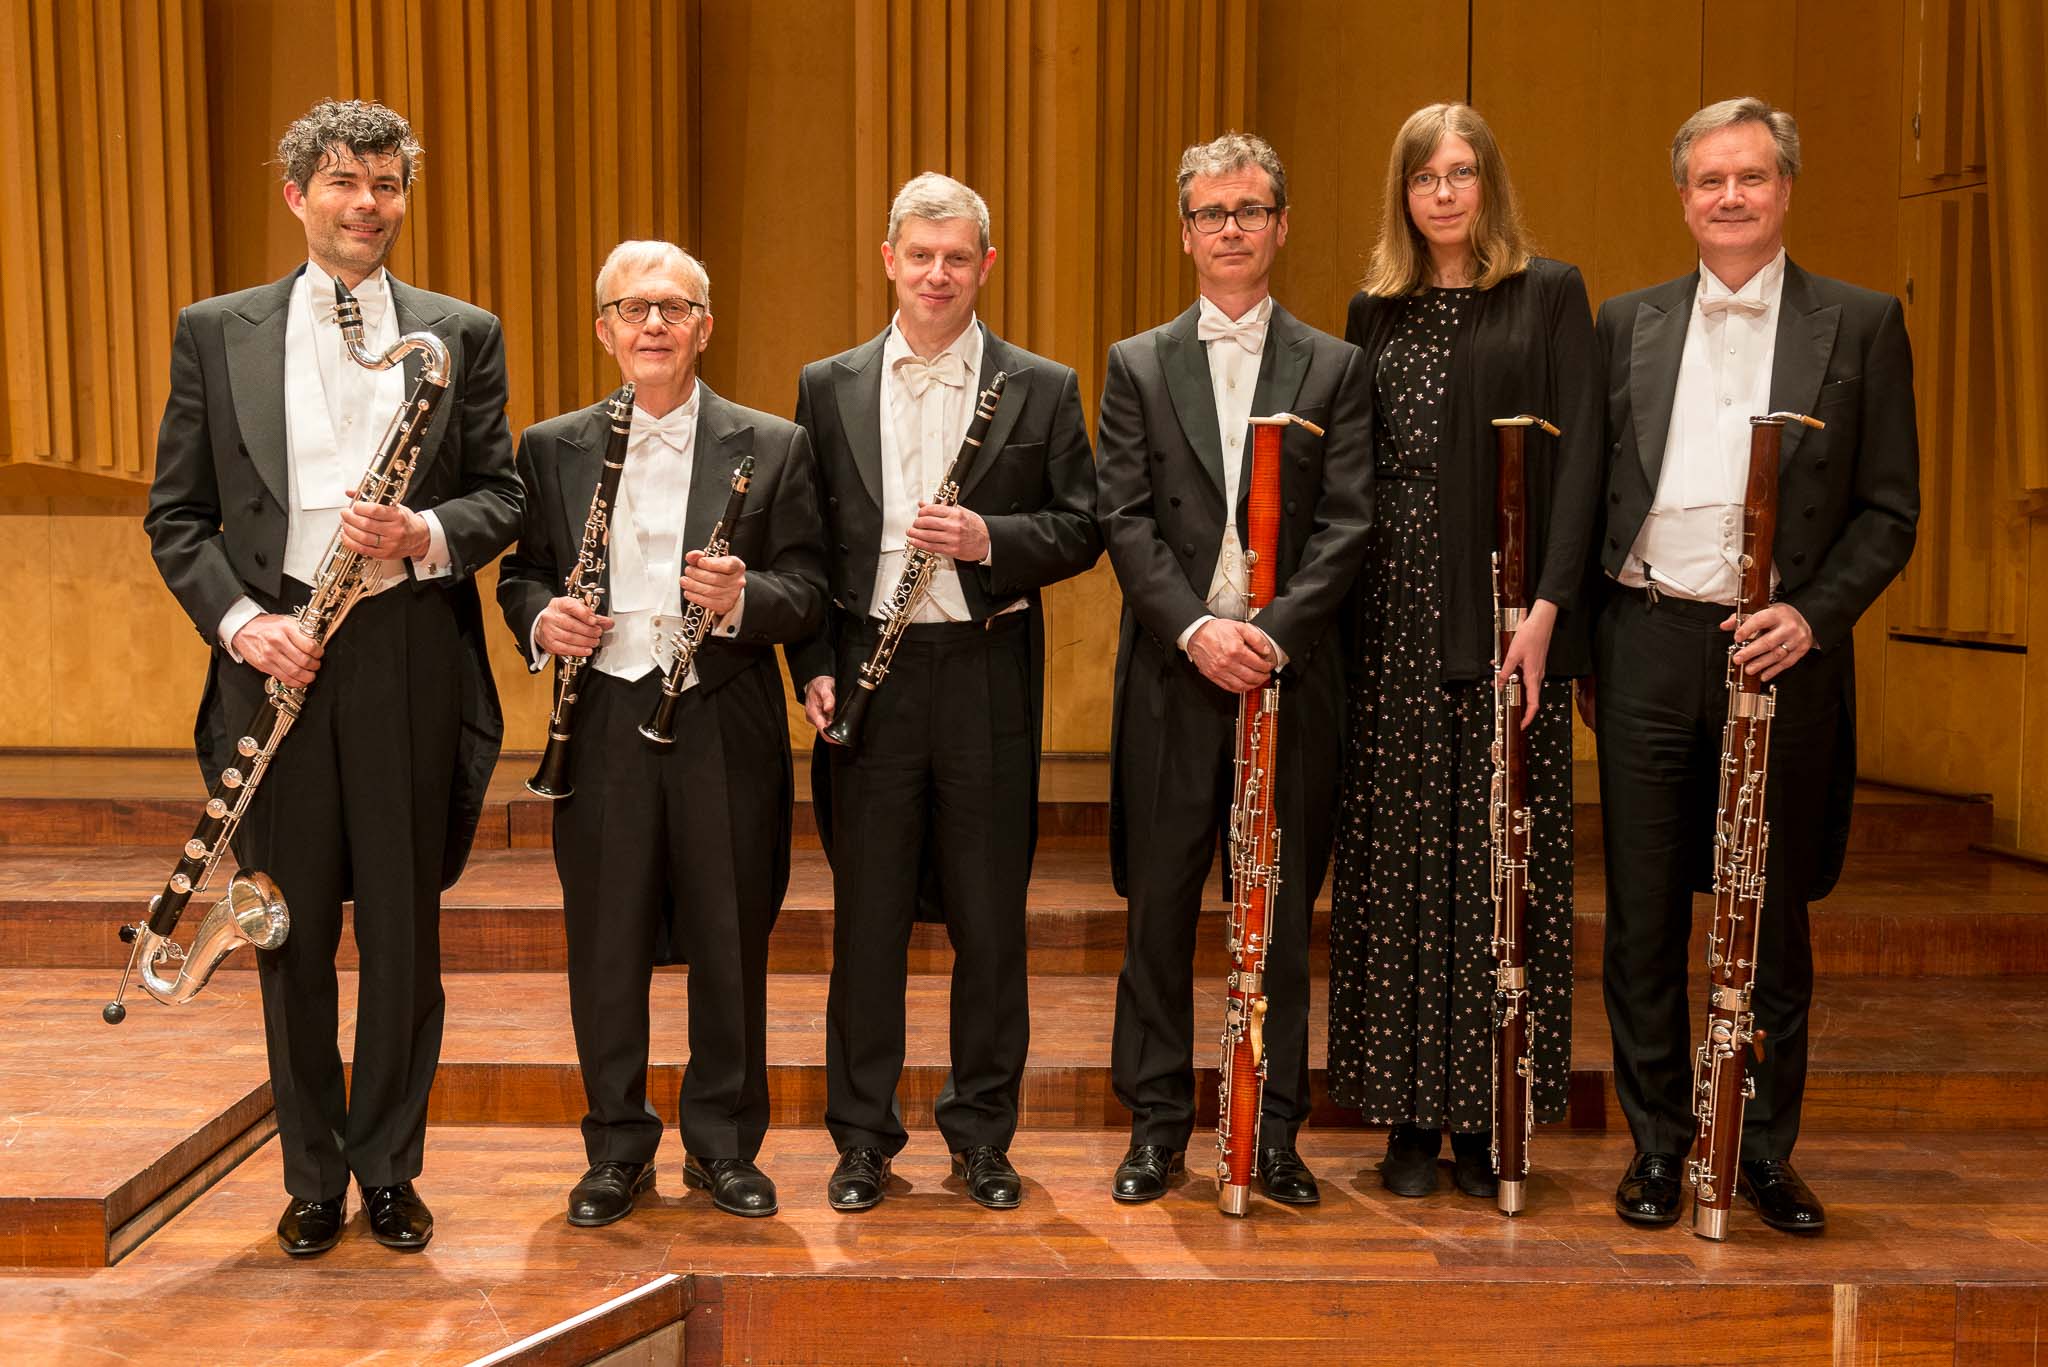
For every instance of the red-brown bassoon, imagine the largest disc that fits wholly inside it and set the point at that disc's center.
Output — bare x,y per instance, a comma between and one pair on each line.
1742,837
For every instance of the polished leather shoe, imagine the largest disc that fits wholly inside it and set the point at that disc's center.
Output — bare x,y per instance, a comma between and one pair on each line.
1472,1165
398,1217
1145,1172
1648,1193
857,1182
605,1195
737,1187
1409,1169
991,1181
310,1227
1780,1196
1286,1179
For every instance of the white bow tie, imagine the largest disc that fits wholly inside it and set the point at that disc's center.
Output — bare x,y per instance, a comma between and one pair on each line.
673,429
1720,305
919,374
1249,333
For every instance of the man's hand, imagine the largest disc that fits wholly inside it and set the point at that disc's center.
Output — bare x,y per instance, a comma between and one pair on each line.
566,627
713,584
1772,641
274,644
1235,656
1528,649
819,696
1588,695
949,529
384,531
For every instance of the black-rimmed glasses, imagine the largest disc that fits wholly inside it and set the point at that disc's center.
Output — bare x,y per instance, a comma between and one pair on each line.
1250,218
674,312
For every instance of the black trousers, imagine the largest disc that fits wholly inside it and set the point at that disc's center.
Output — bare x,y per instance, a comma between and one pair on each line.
1177,747
943,773
665,853
356,806
1662,670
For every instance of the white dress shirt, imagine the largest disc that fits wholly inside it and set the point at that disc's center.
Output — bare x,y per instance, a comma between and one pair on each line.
1235,347
1691,542
644,558
336,412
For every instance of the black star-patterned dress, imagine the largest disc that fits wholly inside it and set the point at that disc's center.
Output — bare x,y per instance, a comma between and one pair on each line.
1411,986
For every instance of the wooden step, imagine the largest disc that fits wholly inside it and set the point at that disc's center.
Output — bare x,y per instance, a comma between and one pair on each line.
1893,915
1927,1258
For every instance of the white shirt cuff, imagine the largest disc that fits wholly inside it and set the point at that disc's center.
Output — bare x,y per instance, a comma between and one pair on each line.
729,625
1192,627
243,611
435,563
536,657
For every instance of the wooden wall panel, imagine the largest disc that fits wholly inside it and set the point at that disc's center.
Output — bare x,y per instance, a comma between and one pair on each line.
103,114
2016,61
1941,128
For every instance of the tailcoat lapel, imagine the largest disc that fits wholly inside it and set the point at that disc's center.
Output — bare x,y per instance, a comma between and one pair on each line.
415,314
1654,356
723,440
1806,338
1185,363
254,339
857,387
996,354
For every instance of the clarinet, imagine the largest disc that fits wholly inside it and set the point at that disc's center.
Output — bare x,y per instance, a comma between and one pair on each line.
661,727
1720,1080
1254,848
586,585
915,581
1508,826
253,911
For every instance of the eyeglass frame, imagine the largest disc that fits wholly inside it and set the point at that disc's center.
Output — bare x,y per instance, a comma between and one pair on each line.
1448,178
1231,216
692,309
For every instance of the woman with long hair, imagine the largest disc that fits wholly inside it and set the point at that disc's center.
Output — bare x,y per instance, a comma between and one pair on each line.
1461,322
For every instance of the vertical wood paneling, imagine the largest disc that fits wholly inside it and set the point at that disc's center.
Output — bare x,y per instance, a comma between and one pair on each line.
1941,130
2016,61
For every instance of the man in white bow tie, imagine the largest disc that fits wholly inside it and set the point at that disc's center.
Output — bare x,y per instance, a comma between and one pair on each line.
679,853
1170,498
1689,362
935,809
376,793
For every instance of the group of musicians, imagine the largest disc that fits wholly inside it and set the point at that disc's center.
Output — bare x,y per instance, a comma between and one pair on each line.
1378,636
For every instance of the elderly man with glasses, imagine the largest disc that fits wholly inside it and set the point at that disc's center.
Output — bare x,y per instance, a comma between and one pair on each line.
676,853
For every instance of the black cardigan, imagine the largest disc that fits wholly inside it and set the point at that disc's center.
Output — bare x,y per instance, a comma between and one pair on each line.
1527,348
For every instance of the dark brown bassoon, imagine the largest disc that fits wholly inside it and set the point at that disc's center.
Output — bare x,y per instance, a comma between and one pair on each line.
1254,846
1508,824
1720,1074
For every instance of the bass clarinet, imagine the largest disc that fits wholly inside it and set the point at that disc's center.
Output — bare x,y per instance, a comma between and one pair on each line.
916,579
1720,1074
1508,825
1254,847
253,911
586,585
661,727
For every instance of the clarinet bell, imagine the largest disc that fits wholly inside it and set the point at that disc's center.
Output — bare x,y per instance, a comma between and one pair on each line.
845,728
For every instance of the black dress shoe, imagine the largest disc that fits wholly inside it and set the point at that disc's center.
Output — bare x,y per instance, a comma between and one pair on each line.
991,1181
1144,1173
310,1227
1286,1179
857,1182
737,1187
1780,1196
1472,1165
1409,1169
1648,1194
398,1217
606,1193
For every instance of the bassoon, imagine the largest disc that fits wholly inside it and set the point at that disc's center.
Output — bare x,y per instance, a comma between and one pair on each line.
1254,846
585,584
1720,1075
660,729
914,582
1508,824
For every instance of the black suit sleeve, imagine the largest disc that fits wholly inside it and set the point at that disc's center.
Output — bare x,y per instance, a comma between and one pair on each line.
1058,539
534,572
1884,497
1307,603
485,516
184,515
813,655
1576,476
785,598
1155,587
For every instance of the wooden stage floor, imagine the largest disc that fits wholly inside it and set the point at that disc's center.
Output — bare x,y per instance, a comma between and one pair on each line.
139,1178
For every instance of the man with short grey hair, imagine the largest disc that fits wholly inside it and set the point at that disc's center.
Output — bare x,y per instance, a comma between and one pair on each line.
1171,496
1689,363
933,805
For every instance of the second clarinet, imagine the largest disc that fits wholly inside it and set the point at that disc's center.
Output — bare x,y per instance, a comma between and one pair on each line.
697,620
916,579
